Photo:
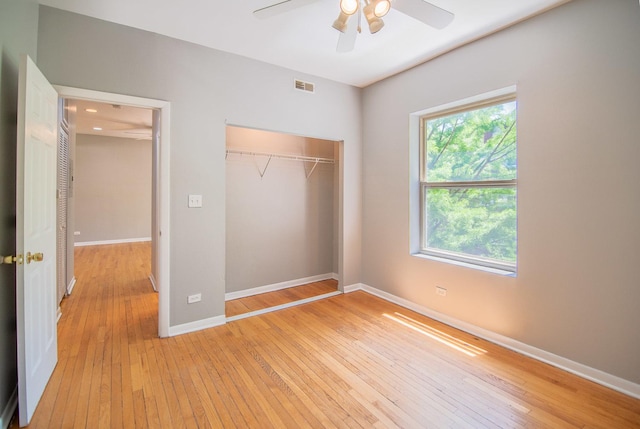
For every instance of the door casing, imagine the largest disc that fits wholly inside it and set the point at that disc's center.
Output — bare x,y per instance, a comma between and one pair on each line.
162,188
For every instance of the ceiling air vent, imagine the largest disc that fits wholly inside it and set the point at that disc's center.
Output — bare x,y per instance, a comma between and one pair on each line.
304,86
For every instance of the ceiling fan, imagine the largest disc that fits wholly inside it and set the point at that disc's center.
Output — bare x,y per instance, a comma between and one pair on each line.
372,10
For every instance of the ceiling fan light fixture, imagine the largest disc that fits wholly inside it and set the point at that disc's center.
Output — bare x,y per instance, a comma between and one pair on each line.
340,23
349,7
381,7
375,25
375,22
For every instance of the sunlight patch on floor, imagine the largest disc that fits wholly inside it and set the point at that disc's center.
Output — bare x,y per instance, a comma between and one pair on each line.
435,334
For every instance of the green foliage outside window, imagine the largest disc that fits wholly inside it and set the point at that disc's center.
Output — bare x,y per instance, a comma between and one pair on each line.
469,183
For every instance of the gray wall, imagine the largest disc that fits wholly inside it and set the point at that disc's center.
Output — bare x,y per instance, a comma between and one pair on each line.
206,88
112,188
18,34
577,291
279,226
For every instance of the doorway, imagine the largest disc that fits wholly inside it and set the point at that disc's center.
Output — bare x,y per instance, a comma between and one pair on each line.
110,196
159,135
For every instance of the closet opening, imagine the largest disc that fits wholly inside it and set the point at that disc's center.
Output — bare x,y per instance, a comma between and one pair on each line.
282,217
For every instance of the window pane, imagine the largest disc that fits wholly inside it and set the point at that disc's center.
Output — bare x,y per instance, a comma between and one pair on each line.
473,145
480,222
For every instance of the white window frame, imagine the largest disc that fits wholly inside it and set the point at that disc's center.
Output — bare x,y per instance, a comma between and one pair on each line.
492,98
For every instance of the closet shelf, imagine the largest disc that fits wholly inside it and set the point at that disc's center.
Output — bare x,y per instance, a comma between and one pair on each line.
316,160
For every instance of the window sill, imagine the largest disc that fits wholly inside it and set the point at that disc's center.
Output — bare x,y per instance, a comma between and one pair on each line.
466,265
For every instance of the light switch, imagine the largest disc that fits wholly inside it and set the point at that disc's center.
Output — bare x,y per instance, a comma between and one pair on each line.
195,201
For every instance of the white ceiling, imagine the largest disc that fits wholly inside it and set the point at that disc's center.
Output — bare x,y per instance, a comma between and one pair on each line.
112,119
303,39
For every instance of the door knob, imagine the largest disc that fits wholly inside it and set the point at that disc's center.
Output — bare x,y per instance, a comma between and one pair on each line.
11,259
36,257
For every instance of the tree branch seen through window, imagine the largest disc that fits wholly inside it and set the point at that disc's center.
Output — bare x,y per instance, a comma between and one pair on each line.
469,185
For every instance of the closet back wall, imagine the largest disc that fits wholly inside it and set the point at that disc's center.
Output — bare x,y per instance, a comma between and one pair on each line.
112,189
280,227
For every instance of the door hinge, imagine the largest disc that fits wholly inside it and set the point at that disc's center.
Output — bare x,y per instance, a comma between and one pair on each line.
8,260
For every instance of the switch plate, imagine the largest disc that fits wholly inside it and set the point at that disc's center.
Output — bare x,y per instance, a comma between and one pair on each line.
194,298
441,291
195,201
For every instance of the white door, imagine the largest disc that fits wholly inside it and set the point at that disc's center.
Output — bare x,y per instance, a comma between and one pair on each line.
36,236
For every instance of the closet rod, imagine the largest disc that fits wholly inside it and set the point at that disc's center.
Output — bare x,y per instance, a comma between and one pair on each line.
281,156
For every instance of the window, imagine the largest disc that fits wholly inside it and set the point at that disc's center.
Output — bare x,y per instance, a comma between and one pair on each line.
468,180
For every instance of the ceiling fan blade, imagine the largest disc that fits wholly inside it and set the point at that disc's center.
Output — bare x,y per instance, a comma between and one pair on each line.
281,7
426,12
347,40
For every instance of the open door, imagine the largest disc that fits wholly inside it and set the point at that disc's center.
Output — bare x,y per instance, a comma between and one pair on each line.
36,236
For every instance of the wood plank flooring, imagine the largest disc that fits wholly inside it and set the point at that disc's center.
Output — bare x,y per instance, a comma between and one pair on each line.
284,296
351,361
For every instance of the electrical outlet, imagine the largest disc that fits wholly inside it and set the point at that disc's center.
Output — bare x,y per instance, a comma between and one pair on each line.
194,298
441,291
76,232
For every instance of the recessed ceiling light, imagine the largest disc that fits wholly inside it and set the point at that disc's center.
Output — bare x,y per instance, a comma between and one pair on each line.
97,129
91,110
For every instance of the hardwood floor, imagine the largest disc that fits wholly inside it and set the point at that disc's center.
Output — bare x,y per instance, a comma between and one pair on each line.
284,296
351,361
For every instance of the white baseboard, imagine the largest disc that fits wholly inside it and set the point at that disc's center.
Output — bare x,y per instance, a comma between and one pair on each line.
197,325
153,282
354,287
71,285
282,306
9,410
277,286
616,383
103,242
221,320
